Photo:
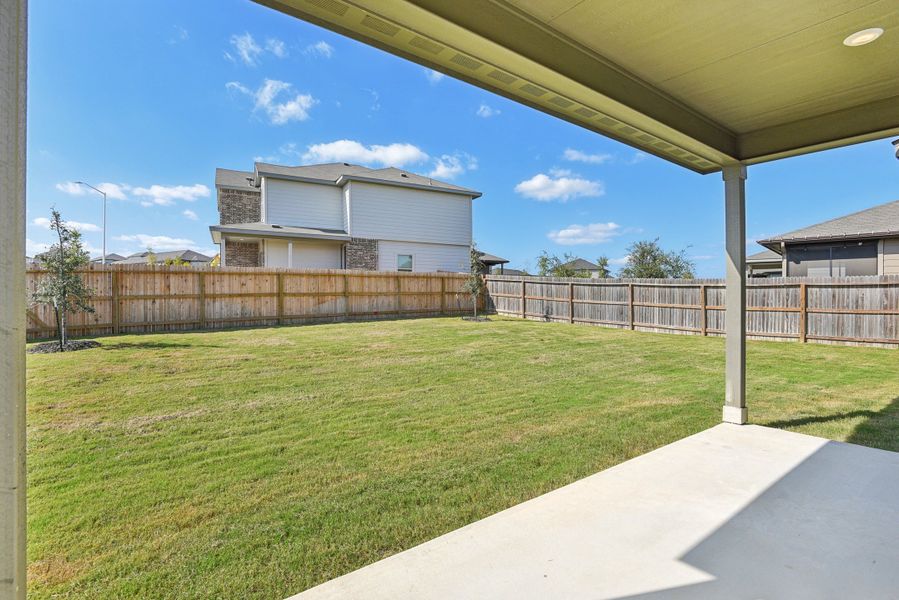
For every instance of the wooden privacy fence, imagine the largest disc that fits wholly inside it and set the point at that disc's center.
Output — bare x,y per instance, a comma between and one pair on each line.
142,298
859,310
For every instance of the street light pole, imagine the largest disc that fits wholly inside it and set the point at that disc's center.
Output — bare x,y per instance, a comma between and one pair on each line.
103,259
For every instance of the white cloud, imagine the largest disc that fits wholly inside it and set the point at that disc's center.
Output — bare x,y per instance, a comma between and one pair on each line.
591,233
33,248
578,156
395,155
247,49
321,48
434,77
276,47
561,187
618,262
179,34
82,227
448,166
190,214
293,107
487,111
638,157
166,195
116,191
161,243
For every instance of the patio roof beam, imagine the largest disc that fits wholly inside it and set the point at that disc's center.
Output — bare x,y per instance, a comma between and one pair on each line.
13,36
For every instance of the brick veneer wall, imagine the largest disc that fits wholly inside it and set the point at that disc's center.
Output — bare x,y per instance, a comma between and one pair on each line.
362,253
239,206
242,254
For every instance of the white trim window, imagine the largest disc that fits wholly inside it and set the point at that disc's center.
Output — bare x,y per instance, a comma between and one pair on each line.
404,262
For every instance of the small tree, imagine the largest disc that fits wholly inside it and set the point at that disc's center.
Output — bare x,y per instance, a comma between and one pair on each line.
646,259
603,263
474,285
63,288
151,256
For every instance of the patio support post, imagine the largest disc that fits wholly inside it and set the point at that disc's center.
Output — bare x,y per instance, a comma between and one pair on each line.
735,280
13,36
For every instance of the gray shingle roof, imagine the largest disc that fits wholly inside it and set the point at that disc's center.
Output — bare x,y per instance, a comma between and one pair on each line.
874,222
579,264
332,172
275,230
234,179
140,258
491,259
764,256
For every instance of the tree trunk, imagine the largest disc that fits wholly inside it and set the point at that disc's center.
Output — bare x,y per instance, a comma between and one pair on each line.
59,330
62,331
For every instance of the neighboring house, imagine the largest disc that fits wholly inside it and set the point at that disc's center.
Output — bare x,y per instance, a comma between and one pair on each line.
518,272
582,267
342,216
110,258
862,243
193,259
491,261
766,263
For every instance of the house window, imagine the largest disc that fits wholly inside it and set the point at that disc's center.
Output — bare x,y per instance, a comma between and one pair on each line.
403,262
832,260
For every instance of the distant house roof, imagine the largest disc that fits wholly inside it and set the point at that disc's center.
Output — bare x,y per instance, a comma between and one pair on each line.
512,272
273,230
490,259
336,174
871,223
112,257
579,264
765,256
140,258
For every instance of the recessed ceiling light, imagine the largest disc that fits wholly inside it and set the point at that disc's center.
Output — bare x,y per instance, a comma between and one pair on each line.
865,36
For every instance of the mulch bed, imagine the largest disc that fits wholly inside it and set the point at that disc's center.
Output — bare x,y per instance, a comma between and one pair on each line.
71,346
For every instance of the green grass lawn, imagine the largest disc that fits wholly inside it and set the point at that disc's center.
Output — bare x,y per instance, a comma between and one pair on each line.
257,463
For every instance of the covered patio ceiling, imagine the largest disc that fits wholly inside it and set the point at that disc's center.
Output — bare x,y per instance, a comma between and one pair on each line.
703,84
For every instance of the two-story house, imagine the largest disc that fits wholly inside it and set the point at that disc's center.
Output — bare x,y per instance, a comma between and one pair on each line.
342,216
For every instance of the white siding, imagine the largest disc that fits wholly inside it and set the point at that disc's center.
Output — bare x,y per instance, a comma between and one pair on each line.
307,254
891,257
425,257
385,212
303,204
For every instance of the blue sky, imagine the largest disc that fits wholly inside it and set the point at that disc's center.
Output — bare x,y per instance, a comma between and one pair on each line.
149,98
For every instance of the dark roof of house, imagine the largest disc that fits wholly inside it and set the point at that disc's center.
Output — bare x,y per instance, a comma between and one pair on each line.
187,255
491,259
111,257
336,174
875,222
764,256
579,264
275,230
512,272
235,179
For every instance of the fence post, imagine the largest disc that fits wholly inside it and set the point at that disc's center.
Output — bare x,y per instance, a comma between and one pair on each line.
630,305
201,285
280,280
571,302
346,296
399,296
523,301
703,317
442,294
114,284
803,312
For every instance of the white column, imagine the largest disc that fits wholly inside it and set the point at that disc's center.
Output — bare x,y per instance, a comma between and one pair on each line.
13,42
735,279
289,255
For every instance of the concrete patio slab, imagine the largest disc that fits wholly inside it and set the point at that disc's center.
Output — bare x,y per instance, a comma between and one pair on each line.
732,512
